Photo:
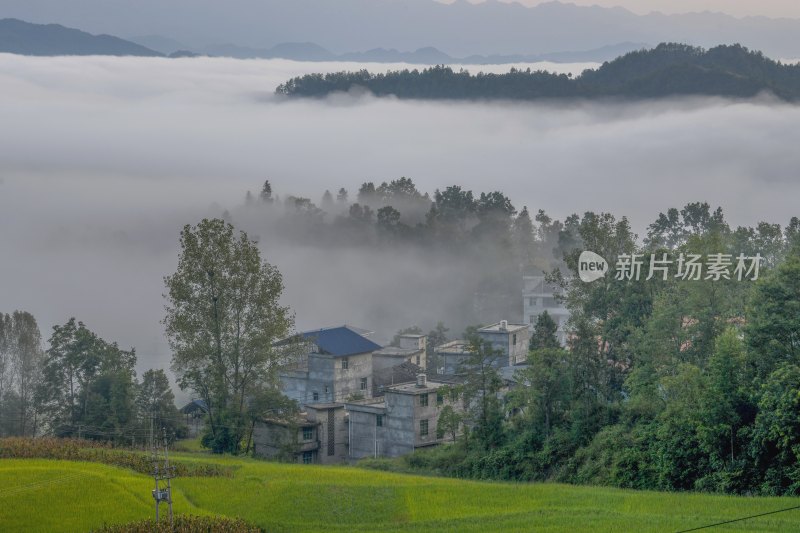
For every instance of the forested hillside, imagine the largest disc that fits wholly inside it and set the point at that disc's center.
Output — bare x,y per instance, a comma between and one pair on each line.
669,69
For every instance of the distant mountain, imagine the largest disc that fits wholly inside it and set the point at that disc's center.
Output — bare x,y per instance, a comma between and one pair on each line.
19,37
295,51
459,29
667,70
422,56
159,43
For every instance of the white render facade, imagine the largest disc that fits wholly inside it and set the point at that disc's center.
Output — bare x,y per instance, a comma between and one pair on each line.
539,296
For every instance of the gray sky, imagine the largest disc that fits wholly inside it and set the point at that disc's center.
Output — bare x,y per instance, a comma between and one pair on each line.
739,8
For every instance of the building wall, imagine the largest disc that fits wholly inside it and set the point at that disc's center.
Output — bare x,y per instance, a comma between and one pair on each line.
367,439
413,342
347,382
452,362
398,424
539,296
512,344
275,440
405,411
383,361
332,432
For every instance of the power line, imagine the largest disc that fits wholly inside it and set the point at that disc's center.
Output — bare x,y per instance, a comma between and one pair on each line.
161,473
740,519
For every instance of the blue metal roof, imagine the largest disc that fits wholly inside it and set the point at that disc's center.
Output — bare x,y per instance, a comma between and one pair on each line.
340,341
195,405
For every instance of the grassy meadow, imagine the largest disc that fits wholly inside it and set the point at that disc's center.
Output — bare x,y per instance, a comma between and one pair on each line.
71,496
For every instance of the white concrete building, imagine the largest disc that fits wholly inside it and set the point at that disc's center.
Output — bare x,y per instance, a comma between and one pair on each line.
539,296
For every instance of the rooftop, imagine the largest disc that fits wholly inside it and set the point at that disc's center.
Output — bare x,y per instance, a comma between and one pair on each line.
194,406
501,327
412,388
368,405
325,405
453,347
339,341
394,351
300,420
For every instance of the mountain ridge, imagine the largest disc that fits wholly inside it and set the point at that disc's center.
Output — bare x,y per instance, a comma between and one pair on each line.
20,37
460,30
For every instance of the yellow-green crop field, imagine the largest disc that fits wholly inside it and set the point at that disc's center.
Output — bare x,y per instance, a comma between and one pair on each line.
52,496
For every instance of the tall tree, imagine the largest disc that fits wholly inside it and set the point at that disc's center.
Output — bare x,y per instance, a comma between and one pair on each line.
479,392
6,362
327,201
523,237
28,359
547,387
155,399
223,318
545,333
266,193
773,328
87,384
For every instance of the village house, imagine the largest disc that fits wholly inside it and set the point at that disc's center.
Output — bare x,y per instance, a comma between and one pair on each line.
452,356
194,414
509,340
328,365
539,296
412,348
295,440
361,400
406,418
317,435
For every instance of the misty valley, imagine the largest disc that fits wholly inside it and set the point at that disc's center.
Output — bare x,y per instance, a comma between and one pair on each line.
262,273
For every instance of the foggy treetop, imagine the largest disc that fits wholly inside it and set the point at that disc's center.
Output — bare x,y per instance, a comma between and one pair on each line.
670,69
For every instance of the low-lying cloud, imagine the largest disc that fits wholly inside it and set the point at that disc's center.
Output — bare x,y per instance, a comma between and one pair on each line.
102,160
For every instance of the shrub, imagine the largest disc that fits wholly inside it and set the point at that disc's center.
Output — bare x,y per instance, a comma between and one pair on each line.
185,524
98,452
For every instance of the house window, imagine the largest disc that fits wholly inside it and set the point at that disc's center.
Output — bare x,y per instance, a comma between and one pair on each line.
307,433
418,360
363,383
379,421
345,363
439,398
308,458
514,339
423,400
423,428
316,396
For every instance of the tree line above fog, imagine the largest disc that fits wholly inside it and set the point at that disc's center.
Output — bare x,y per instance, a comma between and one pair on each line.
670,69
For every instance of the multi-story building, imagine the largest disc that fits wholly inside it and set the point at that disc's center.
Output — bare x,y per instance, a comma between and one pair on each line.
328,365
411,349
509,340
295,440
406,418
539,296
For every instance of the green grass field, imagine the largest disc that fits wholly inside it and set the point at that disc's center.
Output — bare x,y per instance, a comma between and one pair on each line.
51,496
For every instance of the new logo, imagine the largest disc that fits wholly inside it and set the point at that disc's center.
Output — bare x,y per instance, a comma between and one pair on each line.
591,266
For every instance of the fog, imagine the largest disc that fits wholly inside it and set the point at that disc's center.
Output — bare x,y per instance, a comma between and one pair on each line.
102,160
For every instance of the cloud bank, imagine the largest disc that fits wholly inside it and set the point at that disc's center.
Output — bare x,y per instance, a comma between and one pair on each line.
102,160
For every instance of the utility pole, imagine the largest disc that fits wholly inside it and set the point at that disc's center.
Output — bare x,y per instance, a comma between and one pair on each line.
161,472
